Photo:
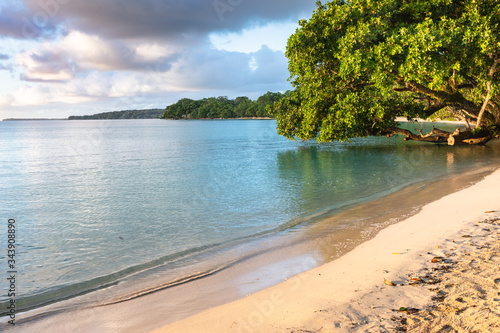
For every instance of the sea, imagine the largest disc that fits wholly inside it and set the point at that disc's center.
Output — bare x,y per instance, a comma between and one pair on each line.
99,202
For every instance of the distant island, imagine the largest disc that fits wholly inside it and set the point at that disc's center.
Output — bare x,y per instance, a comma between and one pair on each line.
222,107
127,114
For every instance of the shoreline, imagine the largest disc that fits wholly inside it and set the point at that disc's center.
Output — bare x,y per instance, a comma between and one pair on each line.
398,119
420,120
248,277
349,294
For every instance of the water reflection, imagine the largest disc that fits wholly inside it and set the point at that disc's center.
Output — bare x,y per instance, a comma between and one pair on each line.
327,175
328,180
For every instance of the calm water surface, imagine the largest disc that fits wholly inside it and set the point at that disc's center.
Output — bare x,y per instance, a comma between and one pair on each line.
95,201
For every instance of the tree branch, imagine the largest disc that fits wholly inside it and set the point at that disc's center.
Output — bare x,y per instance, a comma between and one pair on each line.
488,92
410,136
431,109
447,98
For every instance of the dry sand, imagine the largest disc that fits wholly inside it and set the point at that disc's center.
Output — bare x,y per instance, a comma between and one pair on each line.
444,265
464,285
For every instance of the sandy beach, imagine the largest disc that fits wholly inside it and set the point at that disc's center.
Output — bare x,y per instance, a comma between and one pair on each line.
436,271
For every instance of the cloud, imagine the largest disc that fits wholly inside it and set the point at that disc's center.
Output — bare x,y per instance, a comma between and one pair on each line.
76,92
142,52
196,67
202,69
219,69
166,19
4,57
79,52
21,23
6,100
134,35
93,52
45,64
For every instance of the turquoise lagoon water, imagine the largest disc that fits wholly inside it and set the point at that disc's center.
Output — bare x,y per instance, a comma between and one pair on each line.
97,201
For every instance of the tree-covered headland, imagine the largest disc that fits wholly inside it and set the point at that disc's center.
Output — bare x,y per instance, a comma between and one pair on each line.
356,65
222,107
127,114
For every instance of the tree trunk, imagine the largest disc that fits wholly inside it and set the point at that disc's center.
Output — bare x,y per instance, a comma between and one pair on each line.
488,92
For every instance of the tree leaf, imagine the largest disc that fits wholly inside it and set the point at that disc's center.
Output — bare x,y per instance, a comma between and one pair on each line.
389,283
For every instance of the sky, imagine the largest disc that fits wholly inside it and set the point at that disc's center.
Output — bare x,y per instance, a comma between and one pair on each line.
74,57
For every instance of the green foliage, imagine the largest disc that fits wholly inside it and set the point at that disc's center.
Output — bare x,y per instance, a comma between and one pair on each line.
480,131
221,107
182,107
356,65
128,114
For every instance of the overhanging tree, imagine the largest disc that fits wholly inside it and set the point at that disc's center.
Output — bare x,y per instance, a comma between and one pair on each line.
356,65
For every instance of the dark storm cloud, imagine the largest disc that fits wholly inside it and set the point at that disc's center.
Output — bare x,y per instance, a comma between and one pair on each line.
109,31
166,19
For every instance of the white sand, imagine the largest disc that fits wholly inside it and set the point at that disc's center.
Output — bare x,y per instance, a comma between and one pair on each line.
349,294
420,120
